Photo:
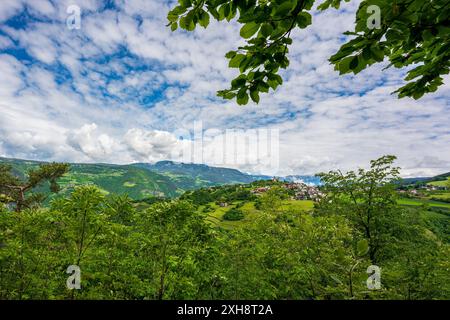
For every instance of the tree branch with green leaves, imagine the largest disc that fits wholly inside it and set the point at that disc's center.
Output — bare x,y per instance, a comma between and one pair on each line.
412,33
15,190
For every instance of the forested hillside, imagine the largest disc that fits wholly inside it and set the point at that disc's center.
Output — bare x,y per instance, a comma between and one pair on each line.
139,181
190,176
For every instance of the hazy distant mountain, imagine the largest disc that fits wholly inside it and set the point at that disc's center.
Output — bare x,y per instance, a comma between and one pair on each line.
437,180
190,175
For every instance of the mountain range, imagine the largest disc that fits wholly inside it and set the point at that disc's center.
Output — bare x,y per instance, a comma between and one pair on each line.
163,178
142,180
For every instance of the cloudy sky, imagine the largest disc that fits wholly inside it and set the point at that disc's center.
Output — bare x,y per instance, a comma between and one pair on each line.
123,88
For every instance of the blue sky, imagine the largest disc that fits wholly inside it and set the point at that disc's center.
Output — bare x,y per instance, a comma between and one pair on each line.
122,88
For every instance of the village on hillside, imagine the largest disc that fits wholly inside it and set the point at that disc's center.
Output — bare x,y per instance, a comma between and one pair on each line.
421,190
301,191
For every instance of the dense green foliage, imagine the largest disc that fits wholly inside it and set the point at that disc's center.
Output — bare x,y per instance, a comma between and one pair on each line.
233,214
222,194
409,33
167,249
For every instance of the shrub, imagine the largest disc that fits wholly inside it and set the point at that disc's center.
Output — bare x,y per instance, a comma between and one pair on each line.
233,215
207,208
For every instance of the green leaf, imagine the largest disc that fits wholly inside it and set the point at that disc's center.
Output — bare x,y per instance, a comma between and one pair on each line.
304,19
213,12
242,96
223,93
254,94
377,53
266,30
185,3
173,26
172,17
263,87
367,54
249,29
343,52
273,84
226,94
418,94
232,13
275,77
344,65
238,82
393,35
222,11
230,54
204,19
362,247
284,8
226,10
187,23
340,254
244,63
354,63
427,35
236,60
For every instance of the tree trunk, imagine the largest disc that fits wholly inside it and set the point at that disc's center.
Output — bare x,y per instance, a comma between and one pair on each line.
21,200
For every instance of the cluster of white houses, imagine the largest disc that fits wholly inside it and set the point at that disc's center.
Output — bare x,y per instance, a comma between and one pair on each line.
417,192
302,191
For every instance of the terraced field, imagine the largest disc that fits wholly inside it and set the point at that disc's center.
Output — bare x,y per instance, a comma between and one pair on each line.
424,202
215,217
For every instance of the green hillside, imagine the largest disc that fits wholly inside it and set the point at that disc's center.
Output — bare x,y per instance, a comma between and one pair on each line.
191,176
440,183
163,179
137,182
216,216
439,180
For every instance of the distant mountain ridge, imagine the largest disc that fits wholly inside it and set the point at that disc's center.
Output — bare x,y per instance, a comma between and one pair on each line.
110,178
164,178
200,175
425,180
141,180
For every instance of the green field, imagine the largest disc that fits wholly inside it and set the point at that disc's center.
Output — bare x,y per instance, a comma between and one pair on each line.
441,195
215,217
420,202
441,183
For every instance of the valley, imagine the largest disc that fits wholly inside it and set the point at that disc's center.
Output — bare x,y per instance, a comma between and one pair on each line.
137,234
